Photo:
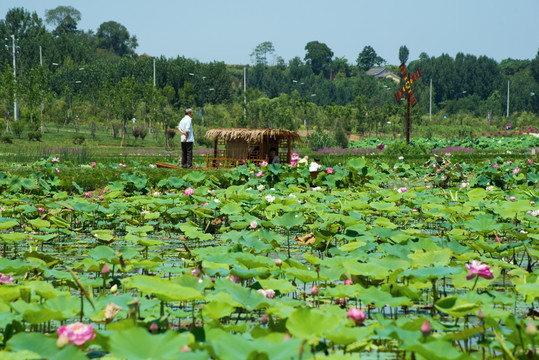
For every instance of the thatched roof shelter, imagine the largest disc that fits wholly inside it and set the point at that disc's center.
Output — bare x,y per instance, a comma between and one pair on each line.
235,146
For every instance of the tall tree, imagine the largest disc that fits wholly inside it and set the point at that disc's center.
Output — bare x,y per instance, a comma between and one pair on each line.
318,55
125,102
7,93
403,54
114,36
367,58
261,52
34,90
64,18
534,68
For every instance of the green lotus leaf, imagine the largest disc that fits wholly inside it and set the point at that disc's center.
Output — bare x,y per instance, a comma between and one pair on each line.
455,306
427,258
531,291
231,208
39,223
43,346
381,298
250,299
217,309
282,285
352,246
432,272
139,230
437,349
35,314
8,224
342,291
289,220
242,273
252,261
103,235
161,288
9,293
477,193
311,324
383,206
138,344
43,237
373,271
102,253
484,224
13,237
303,275
69,306
346,335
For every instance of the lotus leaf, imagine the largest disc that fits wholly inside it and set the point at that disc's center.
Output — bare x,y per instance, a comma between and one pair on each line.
455,306
162,289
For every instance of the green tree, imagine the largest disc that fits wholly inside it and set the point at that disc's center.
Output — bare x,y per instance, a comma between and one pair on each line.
125,96
403,54
534,68
7,93
64,18
367,58
114,37
261,52
319,56
34,90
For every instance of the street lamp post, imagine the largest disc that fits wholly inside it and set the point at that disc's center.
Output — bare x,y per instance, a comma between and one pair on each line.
15,101
202,78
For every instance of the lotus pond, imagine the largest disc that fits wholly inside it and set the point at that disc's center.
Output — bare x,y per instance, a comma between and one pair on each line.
365,261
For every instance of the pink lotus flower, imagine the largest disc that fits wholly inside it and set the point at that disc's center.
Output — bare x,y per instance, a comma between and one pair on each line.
278,262
93,163
269,294
264,163
40,210
259,174
87,195
101,197
264,319
477,268
185,348
530,161
329,170
402,190
253,224
121,165
196,272
57,170
532,202
428,187
151,166
293,163
234,278
55,160
314,290
348,282
189,191
294,156
426,328
512,198
516,171
105,270
77,334
6,279
495,166
357,315
205,203
154,328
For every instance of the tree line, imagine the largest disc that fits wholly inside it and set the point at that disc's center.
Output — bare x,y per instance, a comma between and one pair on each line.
71,76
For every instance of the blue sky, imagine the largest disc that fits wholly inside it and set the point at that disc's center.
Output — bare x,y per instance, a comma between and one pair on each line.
229,30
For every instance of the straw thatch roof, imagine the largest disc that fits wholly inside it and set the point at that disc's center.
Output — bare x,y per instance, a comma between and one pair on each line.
250,135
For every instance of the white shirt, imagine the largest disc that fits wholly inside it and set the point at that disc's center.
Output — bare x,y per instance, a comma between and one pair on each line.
185,125
315,166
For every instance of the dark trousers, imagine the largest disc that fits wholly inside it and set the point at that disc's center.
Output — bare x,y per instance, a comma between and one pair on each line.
187,154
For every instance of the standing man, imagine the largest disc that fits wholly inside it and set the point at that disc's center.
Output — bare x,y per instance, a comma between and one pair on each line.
186,129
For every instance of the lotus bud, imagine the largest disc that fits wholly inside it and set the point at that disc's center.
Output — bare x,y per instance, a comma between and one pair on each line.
426,328
348,282
357,315
264,319
154,328
286,337
114,288
480,314
185,348
531,329
196,272
105,270
314,290
62,341
278,262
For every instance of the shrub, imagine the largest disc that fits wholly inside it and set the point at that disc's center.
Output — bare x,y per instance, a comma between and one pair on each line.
402,149
34,135
341,138
321,140
115,126
7,139
17,127
78,139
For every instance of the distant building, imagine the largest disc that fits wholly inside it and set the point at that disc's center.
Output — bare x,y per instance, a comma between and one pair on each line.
383,73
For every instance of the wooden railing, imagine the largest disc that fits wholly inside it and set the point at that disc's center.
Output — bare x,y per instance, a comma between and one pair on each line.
213,162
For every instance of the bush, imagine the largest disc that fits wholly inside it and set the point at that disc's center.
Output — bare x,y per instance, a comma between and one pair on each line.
17,127
401,149
78,139
116,126
321,140
341,138
7,139
35,135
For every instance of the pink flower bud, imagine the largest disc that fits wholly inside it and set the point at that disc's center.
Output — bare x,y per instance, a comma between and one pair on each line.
357,315
185,348
87,195
154,328
314,290
426,328
196,272
348,282
264,319
480,314
278,262
105,270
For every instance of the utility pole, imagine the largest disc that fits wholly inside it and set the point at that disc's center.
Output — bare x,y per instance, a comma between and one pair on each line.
245,94
15,103
508,100
430,101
